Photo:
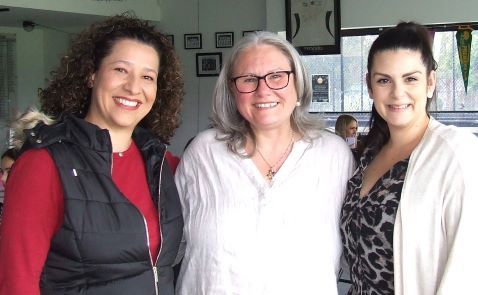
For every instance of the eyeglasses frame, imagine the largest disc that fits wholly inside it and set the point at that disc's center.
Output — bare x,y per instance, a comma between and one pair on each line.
263,78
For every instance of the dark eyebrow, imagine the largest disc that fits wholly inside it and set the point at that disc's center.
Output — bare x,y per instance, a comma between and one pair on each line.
147,69
404,75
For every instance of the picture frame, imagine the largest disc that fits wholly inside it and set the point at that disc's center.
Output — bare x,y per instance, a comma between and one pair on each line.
320,92
193,41
208,64
171,39
313,27
224,39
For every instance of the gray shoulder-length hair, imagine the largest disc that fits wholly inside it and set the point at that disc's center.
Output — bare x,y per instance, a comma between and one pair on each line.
226,118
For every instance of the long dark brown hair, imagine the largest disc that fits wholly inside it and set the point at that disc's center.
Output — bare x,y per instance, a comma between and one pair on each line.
406,35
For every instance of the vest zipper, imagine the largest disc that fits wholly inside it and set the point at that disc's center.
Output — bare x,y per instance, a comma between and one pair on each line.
155,269
153,265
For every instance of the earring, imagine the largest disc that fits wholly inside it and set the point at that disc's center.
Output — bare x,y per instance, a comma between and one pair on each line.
297,104
89,84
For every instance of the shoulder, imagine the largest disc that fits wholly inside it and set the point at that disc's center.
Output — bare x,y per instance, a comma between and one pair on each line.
450,138
329,140
35,156
332,149
208,135
446,150
206,141
36,165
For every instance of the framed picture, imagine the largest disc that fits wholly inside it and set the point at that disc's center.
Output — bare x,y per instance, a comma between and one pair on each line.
208,64
320,92
193,41
224,39
171,39
313,27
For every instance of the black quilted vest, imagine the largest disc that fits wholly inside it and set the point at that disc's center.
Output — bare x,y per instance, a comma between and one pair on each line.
102,246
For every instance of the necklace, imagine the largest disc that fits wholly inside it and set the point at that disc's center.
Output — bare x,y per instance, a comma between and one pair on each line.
272,172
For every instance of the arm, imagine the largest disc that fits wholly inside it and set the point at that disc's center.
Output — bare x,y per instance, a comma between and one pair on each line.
180,182
459,224
346,167
33,213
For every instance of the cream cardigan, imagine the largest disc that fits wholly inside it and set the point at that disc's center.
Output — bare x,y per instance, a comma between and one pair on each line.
436,227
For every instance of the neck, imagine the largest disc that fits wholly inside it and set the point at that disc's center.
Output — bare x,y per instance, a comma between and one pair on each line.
268,140
408,138
271,150
120,141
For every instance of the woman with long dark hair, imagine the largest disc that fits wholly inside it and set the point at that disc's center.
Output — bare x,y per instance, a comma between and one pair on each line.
410,208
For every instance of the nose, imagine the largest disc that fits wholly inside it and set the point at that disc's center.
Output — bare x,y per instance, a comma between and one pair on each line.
262,86
398,90
132,84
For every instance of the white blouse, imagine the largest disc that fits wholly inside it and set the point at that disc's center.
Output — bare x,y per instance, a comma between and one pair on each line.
244,235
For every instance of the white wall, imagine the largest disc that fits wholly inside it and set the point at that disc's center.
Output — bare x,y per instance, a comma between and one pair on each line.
55,46
146,9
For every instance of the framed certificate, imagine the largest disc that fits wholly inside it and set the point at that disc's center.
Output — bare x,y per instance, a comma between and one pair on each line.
320,92
208,64
313,26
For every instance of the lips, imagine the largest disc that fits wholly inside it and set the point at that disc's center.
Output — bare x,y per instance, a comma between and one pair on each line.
126,102
267,105
399,107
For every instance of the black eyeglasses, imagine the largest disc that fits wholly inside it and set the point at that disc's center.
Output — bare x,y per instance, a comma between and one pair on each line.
250,83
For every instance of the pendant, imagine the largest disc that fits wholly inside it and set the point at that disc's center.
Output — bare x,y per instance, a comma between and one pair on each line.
270,174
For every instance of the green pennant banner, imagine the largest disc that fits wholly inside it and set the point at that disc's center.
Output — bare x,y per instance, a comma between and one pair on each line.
463,41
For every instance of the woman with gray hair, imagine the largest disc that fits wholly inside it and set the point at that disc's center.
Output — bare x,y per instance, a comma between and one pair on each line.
262,190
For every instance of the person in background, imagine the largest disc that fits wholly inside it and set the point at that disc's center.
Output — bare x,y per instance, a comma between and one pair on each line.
91,206
346,127
261,191
7,160
410,212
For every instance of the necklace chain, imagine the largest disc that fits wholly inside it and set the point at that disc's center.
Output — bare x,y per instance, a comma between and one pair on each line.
271,172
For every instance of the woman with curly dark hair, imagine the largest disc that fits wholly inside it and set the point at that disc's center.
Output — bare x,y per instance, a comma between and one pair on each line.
91,206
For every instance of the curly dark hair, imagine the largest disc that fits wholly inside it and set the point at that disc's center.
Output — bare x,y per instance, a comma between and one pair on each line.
68,91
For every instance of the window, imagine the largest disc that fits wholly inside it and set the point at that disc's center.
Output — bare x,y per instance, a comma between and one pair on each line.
348,89
8,86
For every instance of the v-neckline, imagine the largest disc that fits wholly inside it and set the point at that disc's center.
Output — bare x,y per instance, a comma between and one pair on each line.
294,156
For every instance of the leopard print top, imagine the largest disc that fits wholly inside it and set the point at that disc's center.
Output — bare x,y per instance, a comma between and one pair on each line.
367,228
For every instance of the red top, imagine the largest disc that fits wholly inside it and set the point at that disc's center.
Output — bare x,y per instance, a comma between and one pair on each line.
33,212
173,161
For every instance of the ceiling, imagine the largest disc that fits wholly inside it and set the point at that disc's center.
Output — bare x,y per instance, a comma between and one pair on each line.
64,21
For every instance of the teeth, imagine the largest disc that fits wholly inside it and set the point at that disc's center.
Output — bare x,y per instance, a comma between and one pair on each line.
399,107
126,102
266,105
